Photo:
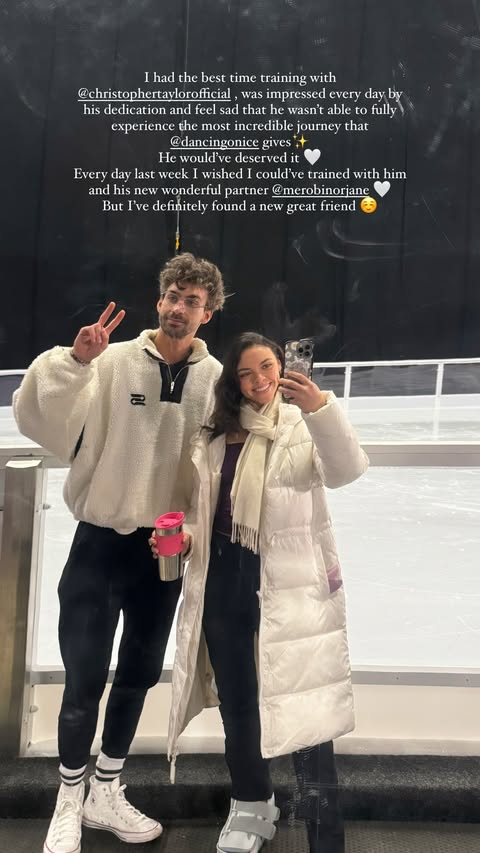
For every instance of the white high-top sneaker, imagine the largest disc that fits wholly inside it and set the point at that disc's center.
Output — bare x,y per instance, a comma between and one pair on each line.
106,807
65,830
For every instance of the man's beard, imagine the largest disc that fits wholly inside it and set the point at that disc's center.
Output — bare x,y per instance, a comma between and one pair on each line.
175,332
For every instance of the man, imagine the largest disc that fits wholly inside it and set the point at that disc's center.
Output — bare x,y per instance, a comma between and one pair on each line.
121,416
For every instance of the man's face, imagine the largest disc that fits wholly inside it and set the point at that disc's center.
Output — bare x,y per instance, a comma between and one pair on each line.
182,309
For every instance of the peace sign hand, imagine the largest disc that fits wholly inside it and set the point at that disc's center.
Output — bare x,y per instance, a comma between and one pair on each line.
298,389
91,341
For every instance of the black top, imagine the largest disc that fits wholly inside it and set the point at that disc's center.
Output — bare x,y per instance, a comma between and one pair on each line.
222,523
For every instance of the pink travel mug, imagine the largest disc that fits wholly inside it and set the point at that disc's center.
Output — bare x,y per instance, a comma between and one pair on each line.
168,533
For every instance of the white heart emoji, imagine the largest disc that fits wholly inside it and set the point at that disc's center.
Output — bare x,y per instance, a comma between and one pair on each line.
312,156
381,189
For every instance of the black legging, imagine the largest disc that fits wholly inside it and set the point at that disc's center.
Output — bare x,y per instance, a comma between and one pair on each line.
230,622
107,573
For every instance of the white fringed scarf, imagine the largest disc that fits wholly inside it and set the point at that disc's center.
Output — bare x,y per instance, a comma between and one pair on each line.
247,489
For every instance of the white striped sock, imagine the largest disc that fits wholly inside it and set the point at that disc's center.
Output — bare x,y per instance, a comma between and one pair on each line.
107,769
72,777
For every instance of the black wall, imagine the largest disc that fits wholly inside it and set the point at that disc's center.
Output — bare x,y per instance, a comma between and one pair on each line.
400,283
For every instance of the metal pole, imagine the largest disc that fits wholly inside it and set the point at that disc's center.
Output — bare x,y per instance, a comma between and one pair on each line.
437,399
25,484
347,385
439,380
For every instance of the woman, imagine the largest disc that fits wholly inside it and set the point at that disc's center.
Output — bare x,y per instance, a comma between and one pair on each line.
262,622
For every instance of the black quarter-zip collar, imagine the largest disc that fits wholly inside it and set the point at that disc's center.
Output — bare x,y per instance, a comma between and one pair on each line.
146,340
173,379
173,376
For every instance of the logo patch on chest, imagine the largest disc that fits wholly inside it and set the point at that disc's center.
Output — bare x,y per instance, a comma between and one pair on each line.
137,399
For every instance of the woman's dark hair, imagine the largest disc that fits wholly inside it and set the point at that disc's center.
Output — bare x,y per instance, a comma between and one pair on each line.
228,397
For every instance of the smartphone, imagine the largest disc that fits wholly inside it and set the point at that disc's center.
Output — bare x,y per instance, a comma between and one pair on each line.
299,356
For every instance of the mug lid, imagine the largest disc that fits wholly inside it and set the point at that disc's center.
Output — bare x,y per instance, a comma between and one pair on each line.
169,519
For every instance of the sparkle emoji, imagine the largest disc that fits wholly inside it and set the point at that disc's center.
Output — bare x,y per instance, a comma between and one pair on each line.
368,204
300,140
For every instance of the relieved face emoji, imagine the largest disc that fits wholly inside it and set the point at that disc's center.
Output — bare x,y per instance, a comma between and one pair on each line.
368,204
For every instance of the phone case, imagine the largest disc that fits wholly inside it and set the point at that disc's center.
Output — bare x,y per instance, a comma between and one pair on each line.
299,356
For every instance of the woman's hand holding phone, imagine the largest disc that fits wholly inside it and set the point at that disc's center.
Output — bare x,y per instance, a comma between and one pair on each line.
300,390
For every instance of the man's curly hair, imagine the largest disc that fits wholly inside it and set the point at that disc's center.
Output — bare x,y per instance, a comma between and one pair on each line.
187,269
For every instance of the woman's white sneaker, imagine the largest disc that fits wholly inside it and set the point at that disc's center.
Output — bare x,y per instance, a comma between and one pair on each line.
248,825
65,830
106,807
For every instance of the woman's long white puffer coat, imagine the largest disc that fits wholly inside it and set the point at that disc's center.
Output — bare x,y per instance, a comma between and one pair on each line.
304,684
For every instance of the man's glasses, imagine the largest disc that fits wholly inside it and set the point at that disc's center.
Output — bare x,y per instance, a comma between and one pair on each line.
192,303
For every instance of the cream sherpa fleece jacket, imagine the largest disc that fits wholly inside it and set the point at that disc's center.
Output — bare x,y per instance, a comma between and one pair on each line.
133,462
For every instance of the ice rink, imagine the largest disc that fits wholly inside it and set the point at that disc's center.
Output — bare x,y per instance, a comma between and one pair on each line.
408,537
